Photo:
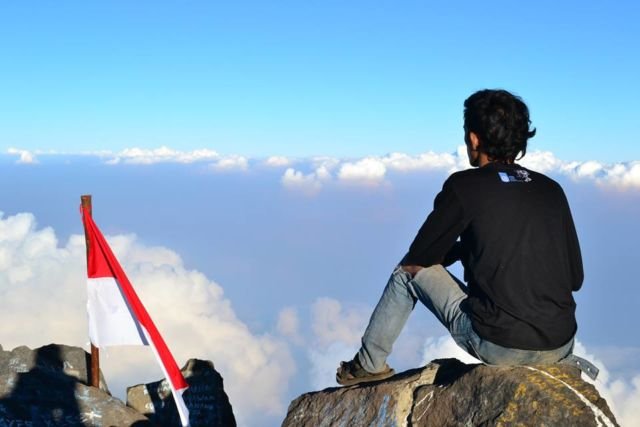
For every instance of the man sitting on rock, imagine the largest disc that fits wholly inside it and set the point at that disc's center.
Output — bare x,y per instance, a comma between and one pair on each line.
513,232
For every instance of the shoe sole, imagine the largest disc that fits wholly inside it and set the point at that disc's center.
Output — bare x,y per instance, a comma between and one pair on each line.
369,378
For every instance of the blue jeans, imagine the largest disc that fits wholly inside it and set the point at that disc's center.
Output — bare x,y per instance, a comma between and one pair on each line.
443,294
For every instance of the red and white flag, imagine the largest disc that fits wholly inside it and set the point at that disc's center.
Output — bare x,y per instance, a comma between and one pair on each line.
116,314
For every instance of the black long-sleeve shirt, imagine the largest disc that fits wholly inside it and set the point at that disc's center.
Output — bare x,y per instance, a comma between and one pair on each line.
519,249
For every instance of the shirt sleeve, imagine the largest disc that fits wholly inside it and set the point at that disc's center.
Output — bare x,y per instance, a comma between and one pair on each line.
440,230
573,246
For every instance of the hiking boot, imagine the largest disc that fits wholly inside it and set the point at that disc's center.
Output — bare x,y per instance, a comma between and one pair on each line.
352,372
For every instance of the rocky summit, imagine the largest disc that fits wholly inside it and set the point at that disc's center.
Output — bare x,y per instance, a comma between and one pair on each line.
448,392
48,386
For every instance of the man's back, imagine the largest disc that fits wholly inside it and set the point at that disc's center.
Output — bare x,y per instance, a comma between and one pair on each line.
521,256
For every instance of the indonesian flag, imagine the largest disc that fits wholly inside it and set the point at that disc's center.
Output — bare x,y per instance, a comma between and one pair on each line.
116,314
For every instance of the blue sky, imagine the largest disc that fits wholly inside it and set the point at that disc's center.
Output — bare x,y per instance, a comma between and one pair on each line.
239,159
313,78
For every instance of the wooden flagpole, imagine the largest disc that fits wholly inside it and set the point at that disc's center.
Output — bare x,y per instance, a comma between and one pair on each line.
95,352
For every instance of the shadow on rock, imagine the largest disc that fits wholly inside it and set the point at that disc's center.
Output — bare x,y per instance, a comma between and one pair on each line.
44,395
48,387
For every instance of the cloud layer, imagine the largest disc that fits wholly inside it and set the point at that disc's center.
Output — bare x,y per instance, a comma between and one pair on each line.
376,170
43,300
160,155
311,175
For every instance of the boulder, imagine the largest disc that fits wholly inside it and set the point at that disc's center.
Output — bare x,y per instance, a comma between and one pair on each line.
448,392
48,386
207,402
73,361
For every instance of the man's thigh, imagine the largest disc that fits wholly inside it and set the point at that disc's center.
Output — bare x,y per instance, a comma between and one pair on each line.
442,294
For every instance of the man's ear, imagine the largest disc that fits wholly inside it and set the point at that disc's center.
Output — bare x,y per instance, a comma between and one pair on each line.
474,141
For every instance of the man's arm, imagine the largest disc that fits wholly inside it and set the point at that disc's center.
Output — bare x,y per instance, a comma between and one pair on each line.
435,242
455,254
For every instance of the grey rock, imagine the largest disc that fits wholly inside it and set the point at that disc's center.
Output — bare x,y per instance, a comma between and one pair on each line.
448,392
207,402
47,387
72,361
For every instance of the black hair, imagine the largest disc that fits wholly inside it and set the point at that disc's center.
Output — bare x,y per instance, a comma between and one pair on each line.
501,122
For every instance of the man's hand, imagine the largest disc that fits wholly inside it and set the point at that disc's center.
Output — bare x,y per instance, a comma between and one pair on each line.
412,269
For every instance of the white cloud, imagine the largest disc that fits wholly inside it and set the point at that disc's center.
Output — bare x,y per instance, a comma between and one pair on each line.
331,322
42,287
541,161
326,162
289,325
231,163
278,161
589,169
25,156
373,169
445,347
620,175
624,175
310,183
336,333
167,155
324,363
430,160
159,155
369,170
113,161
623,395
